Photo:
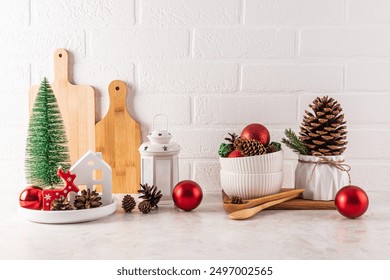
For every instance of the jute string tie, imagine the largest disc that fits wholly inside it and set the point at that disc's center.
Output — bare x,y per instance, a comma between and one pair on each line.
339,164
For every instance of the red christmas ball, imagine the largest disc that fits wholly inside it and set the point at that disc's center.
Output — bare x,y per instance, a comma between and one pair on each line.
31,198
235,153
351,201
187,195
258,132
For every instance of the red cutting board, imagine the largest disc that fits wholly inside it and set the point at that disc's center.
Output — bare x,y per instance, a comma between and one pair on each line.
77,107
118,137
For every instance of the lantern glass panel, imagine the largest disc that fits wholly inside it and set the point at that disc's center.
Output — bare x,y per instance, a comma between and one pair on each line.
163,176
147,172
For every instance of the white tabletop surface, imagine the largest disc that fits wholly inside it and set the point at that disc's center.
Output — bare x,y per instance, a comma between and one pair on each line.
205,233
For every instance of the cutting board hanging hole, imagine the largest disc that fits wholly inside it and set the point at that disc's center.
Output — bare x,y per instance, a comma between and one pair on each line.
117,88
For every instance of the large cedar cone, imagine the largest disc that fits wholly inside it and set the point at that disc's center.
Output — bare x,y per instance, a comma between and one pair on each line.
128,203
151,194
324,131
87,200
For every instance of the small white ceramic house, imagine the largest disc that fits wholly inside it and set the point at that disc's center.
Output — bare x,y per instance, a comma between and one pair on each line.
91,170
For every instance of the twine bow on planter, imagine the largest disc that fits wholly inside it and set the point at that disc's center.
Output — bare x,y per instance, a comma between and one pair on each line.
321,177
338,164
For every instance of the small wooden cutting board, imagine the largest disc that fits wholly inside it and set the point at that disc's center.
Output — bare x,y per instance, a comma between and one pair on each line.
118,137
77,107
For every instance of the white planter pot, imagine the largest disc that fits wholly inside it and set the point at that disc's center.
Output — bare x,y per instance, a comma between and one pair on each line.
322,180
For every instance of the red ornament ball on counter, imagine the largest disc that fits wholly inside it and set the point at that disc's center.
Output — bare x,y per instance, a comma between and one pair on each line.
235,153
351,201
31,198
258,132
187,195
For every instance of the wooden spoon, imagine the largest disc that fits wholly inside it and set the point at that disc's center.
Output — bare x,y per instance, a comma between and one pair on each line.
247,213
230,207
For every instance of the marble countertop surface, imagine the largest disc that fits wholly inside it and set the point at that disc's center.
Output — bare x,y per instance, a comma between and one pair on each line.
205,233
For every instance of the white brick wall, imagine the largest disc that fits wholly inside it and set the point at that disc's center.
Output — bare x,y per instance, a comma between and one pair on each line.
241,42
212,66
294,12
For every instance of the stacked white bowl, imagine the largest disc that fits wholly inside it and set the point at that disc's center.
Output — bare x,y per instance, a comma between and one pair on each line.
253,176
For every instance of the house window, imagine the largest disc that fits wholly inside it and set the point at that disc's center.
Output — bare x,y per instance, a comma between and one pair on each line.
98,188
97,175
91,163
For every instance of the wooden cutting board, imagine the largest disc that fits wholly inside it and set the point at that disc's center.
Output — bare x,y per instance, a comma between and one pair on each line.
77,107
118,137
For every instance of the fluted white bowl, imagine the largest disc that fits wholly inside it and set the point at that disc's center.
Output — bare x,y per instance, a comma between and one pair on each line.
261,164
250,186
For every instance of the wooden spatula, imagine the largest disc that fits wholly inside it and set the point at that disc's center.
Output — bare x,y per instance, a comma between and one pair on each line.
229,207
250,212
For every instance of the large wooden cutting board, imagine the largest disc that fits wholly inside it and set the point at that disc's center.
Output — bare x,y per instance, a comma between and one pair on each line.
118,137
77,106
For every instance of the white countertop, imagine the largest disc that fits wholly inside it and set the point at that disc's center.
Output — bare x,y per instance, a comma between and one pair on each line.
205,233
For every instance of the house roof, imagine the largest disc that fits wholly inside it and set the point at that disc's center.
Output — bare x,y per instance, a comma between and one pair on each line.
90,156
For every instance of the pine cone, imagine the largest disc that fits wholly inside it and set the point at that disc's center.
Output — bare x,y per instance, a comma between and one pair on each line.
236,200
144,207
232,138
273,147
87,200
61,204
249,147
151,194
128,203
324,130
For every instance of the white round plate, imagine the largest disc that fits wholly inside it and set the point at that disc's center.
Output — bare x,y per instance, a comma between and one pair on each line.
69,216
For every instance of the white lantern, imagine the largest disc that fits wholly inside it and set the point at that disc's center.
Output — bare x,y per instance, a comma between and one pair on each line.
159,161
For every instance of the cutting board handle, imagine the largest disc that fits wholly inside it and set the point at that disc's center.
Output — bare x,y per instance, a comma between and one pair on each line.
60,66
118,92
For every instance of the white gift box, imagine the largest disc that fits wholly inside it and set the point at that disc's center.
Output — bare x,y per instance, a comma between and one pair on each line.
321,177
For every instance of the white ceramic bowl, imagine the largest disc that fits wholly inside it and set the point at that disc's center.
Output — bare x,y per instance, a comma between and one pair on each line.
262,164
250,186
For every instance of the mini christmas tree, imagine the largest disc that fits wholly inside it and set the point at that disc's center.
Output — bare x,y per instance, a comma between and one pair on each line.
46,147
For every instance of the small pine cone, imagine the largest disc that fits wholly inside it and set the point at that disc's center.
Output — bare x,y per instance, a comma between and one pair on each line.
236,200
232,138
87,200
144,207
249,147
128,203
61,204
273,147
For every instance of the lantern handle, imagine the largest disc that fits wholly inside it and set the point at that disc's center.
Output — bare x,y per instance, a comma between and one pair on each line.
166,121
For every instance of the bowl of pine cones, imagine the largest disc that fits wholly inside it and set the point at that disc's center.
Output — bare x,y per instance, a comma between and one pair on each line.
250,166
259,164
